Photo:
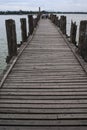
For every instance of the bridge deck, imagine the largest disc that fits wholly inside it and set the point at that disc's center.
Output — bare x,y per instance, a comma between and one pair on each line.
47,87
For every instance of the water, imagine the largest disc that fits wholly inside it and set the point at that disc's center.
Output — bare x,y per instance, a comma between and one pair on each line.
3,42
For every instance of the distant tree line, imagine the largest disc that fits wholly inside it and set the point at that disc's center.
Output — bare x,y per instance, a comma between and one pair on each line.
21,12
17,12
72,12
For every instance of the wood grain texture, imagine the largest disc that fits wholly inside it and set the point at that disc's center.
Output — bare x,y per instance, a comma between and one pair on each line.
46,88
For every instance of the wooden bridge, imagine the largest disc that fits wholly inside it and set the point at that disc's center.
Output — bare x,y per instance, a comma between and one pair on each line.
45,87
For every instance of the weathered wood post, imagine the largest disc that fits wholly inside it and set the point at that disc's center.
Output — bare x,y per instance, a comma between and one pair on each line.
82,46
30,23
39,12
23,29
11,39
56,21
73,32
63,24
35,22
58,24
54,18
51,17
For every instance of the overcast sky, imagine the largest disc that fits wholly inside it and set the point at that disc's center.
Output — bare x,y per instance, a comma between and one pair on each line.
50,5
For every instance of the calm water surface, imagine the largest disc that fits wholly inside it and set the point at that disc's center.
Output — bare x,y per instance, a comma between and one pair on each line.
3,42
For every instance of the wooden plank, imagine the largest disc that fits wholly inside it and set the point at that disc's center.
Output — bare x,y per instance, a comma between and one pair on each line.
43,128
45,89
45,93
18,101
43,106
45,81
43,123
45,86
43,116
44,97
42,111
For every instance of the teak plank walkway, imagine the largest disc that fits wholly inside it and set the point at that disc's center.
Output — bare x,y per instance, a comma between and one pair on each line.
47,87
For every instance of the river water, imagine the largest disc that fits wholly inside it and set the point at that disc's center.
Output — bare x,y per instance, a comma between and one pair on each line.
3,42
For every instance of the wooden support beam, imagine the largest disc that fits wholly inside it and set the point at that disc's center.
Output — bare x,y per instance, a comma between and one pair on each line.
30,22
63,24
56,21
11,39
73,32
23,29
83,39
58,24
35,22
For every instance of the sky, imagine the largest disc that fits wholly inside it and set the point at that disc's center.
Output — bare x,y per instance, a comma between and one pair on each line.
49,5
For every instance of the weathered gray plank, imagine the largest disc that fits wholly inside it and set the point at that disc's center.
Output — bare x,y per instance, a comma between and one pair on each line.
43,111
45,93
44,97
43,128
66,89
43,106
43,123
79,101
43,116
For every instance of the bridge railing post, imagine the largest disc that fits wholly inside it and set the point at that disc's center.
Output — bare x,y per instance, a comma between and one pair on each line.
35,21
53,18
73,32
50,17
38,17
11,39
58,24
56,20
30,23
82,46
23,29
63,24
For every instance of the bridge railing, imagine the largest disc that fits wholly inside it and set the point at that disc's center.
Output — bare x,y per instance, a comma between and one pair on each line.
11,33
82,44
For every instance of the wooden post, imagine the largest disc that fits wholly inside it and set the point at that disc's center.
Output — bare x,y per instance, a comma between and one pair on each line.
23,29
38,18
73,32
30,22
35,22
58,24
39,10
63,24
11,38
54,18
51,17
39,14
82,46
56,21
